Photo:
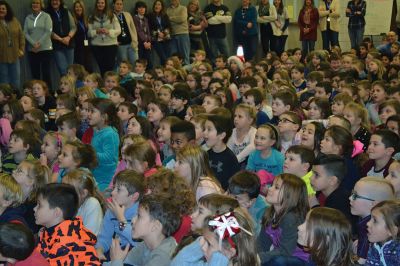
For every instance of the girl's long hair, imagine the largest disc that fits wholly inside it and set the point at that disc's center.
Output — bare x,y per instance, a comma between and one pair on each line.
329,237
198,160
107,107
293,197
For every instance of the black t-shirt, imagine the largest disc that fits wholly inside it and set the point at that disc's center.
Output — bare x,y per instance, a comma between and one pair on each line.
224,165
219,30
125,36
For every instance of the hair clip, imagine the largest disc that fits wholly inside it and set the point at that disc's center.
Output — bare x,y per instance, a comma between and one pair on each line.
226,226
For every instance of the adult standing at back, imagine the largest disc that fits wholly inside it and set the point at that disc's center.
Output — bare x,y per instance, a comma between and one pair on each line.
245,28
329,23
177,14
38,28
266,16
280,27
143,32
12,46
308,23
355,11
218,15
64,29
160,28
82,53
128,39
104,30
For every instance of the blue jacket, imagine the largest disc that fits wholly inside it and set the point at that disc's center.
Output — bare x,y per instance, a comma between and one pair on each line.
192,255
111,226
386,255
106,144
240,22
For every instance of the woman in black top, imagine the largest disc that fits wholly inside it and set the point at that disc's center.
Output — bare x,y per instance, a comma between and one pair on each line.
160,30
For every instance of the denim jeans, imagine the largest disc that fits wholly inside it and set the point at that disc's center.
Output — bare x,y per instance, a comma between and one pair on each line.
218,46
356,36
11,73
126,52
307,46
330,38
64,57
181,44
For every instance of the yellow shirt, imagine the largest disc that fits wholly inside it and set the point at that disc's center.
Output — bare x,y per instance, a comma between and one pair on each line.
307,180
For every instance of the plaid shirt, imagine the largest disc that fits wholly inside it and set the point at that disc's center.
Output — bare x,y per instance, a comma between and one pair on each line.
356,21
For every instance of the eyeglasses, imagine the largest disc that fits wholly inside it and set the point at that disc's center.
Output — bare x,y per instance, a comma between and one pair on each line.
285,120
355,196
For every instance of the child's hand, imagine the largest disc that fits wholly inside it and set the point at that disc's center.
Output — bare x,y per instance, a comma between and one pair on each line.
43,159
116,253
100,254
117,210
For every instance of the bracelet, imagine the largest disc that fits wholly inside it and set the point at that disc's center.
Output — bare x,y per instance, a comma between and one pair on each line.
122,225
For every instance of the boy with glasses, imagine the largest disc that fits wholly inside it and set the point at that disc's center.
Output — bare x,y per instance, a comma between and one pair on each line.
367,192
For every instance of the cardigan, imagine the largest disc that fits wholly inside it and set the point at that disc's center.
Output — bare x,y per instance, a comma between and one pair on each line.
12,41
132,30
38,28
102,39
312,34
332,12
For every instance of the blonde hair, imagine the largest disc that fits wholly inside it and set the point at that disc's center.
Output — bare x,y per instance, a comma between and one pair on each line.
250,110
86,91
198,160
273,134
71,81
381,69
40,175
360,112
11,190
379,189
85,180
59,139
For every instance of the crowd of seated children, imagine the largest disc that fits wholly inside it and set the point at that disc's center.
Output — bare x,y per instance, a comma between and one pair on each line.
294,149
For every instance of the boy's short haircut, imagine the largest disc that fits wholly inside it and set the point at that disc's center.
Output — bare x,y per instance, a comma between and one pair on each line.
207,74
186,128
326,85
122,92
365,84
132,109
142,152
294,117
299,67
222,124
343,97
11,190
222,56
245,182
127,63
27,139
181,91
392,103
63,196
67,100
132,180
146,84
334,165
16,241
216,98
389,139
111,74
252,82
334,57
222,111
380,188
393,90
287,98
345,122
257,96
161,207
306,154
39,115
315,76
70,119
141,61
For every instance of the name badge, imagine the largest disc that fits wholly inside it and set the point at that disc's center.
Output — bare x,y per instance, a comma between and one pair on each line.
85,42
